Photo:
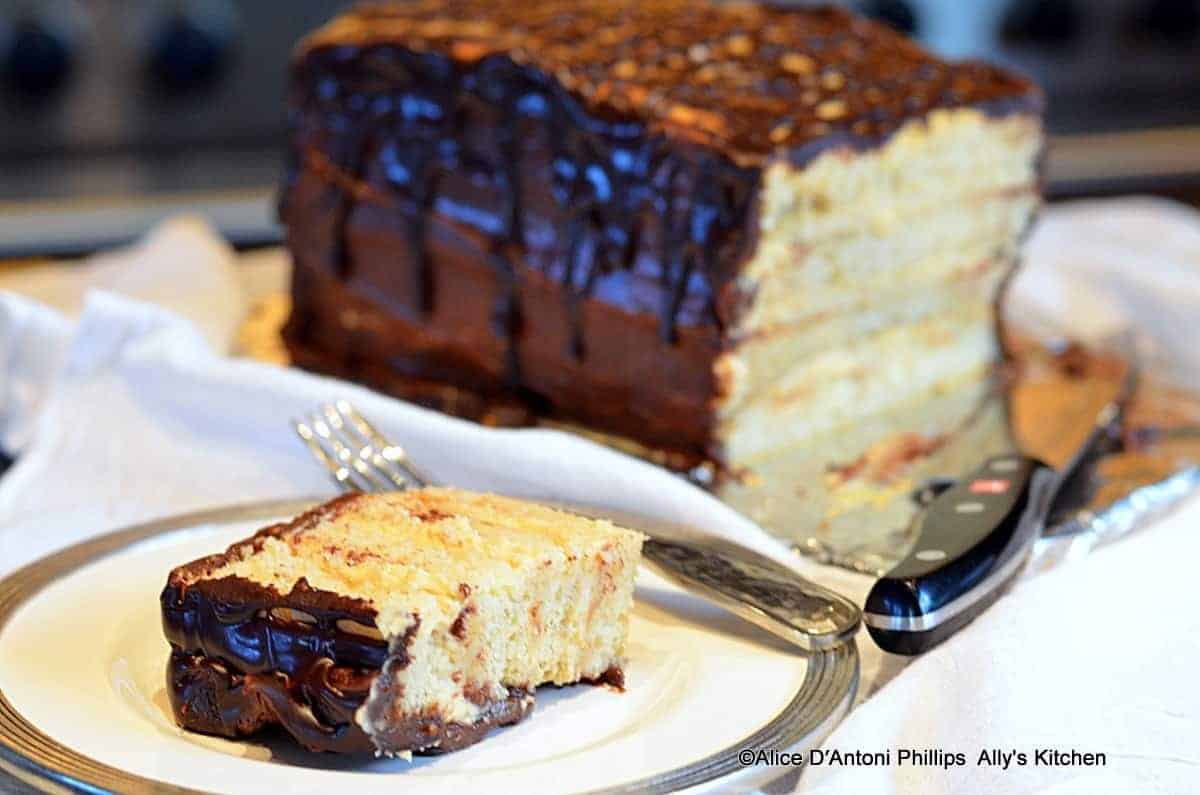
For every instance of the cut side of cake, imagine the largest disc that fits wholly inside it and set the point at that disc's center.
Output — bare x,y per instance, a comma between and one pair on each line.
400,623
731,231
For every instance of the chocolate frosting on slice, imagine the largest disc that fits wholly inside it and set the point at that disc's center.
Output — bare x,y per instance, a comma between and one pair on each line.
245,657
208,697
317,707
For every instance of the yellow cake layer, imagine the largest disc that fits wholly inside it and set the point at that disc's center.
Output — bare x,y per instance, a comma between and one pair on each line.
872,286
869,268
754,365
857,476
947,158
861,377
829,459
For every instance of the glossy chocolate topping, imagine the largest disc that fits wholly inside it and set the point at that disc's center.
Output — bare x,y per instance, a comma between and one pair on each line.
317,707
546,205
254,627
267,632
317,710
240,662
747,78
245,656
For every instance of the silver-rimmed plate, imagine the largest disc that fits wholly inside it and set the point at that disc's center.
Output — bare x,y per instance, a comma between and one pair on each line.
83,703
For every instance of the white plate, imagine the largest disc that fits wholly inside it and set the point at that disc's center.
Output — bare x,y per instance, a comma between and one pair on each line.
83,702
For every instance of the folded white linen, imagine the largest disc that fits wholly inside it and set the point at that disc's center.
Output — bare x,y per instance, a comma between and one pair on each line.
181,264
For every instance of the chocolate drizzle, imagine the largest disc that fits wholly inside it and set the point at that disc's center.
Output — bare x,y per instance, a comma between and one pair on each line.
345,202
600,159
507,246
425,190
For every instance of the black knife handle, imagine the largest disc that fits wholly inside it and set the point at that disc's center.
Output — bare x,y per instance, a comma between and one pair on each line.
964,537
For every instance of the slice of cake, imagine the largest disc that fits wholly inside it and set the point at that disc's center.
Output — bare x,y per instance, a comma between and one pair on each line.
397,623
727,230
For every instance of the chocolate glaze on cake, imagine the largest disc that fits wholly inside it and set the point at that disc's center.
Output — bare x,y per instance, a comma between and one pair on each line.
546,205
316,705
244,657
206,696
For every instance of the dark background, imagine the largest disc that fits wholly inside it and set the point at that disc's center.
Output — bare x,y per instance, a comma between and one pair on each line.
114,113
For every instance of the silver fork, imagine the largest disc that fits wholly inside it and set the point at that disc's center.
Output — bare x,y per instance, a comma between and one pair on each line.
764,592
357,455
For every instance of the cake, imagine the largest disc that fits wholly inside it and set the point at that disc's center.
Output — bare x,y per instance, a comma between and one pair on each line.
397,623
731,232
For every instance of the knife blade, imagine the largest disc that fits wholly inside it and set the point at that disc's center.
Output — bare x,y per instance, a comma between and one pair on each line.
976,535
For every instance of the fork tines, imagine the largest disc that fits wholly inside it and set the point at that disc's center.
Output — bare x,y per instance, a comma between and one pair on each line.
357,455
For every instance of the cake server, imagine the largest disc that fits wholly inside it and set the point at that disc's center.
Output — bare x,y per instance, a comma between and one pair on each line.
753,586
976,535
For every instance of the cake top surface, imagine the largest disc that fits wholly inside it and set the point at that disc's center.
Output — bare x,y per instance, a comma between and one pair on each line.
415,546
749,79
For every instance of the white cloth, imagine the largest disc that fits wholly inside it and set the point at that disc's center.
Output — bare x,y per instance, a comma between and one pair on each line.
1099,655
130,413
1096,268
180,265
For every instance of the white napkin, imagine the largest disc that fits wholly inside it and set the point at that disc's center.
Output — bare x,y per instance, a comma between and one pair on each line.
129,414
181,265
1096,268
1098,656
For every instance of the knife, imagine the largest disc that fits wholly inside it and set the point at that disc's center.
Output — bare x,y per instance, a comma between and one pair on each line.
976,535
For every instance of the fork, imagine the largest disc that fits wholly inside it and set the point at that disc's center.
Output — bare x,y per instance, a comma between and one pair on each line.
764,592
357,455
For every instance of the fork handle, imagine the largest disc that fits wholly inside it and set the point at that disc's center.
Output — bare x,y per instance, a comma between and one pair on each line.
752,586
757,589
